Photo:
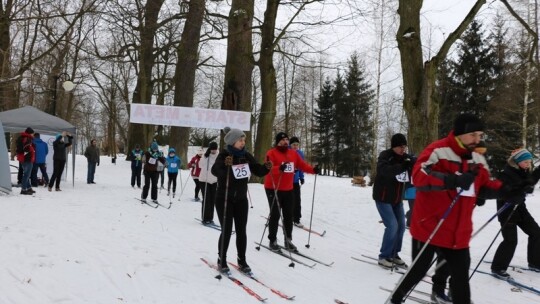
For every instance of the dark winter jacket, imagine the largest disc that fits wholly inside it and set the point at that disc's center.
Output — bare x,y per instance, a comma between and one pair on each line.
25,148
387,188
150,160
59,147
514,177
136,158
92,154
237,188
42,149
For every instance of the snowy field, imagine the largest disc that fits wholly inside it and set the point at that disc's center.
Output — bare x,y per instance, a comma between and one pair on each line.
97,244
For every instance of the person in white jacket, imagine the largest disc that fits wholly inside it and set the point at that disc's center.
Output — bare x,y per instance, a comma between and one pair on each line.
208,183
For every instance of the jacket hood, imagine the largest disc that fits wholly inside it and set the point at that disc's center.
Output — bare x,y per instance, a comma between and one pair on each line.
172,150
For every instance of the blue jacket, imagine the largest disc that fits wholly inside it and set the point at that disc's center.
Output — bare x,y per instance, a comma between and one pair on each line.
299,174
173,163
42,149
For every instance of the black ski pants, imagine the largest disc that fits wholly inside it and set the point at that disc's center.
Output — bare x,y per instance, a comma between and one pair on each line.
505,251
458,261
58,169
209,198
136,175
285,201
237,210
172,179
150,177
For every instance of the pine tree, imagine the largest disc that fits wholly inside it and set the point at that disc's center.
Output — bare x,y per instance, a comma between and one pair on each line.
325,127
342,119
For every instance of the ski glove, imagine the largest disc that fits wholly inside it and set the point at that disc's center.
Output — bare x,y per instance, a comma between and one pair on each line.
268,165
463,181
282,167
302,181
316,169
407,164
228,161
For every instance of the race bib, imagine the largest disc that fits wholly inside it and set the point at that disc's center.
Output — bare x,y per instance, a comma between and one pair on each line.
138,157
152,161
289,168
468,192
173,165
241,171
403,177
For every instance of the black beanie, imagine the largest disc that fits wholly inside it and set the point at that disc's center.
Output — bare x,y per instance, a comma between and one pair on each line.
29,130
213,146
398,140
467,123
293,140
280,136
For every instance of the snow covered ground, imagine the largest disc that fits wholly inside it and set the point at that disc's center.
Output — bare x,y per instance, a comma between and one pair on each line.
97,244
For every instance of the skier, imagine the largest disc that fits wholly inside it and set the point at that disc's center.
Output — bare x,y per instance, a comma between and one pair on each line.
173,162
208,183
393,172
443,175
233,167
151,159
136,165
517,171
280,180
195,172
297,183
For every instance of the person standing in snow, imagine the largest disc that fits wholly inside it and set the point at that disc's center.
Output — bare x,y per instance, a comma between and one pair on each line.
152,159
233,167
26,154
280,180
297,183
393,172
92,155
517,172
42,149
173,163
448,173
208,183
59,158
195,172
136,165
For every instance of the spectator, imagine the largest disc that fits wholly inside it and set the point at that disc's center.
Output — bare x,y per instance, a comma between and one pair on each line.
59,158
92,155
195,172
42,149
26,154
208,182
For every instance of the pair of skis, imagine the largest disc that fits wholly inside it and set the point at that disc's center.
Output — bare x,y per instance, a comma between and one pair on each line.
154,205
243,286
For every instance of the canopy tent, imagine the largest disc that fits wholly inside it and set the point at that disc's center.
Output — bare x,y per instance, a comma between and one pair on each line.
17,120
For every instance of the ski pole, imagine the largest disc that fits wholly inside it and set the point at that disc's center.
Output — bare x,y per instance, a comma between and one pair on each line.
184,186
270,212
205,186
249,196
222,236
282,217
312,206
496,236
439,224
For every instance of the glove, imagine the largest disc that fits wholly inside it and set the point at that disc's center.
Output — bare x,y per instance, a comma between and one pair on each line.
302,181
282,167
463,181
228,161
480,202
268,165
316,169
97,164
407,164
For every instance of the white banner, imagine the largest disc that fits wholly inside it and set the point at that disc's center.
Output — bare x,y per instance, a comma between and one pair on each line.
189,117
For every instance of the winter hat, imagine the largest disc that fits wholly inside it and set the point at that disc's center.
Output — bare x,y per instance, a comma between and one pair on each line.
520,155
293,140
280,136
58,136
212,146
137,146
154,146
398,140
467,123
29,130
36,135
232,135
172,150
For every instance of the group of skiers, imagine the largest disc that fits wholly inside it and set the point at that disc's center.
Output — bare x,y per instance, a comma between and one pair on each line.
451,178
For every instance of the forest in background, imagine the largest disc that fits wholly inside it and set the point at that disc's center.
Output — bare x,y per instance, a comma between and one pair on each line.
289,63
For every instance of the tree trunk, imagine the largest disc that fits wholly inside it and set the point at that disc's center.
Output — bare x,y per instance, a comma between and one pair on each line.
139,133
8,96
268,81
184,75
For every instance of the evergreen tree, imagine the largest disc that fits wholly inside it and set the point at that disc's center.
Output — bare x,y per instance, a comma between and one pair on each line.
342,119
325,127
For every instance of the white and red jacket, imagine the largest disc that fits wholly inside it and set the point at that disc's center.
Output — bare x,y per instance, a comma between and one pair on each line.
441,158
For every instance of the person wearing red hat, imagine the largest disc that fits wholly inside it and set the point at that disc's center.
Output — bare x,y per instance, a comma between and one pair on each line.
280,181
